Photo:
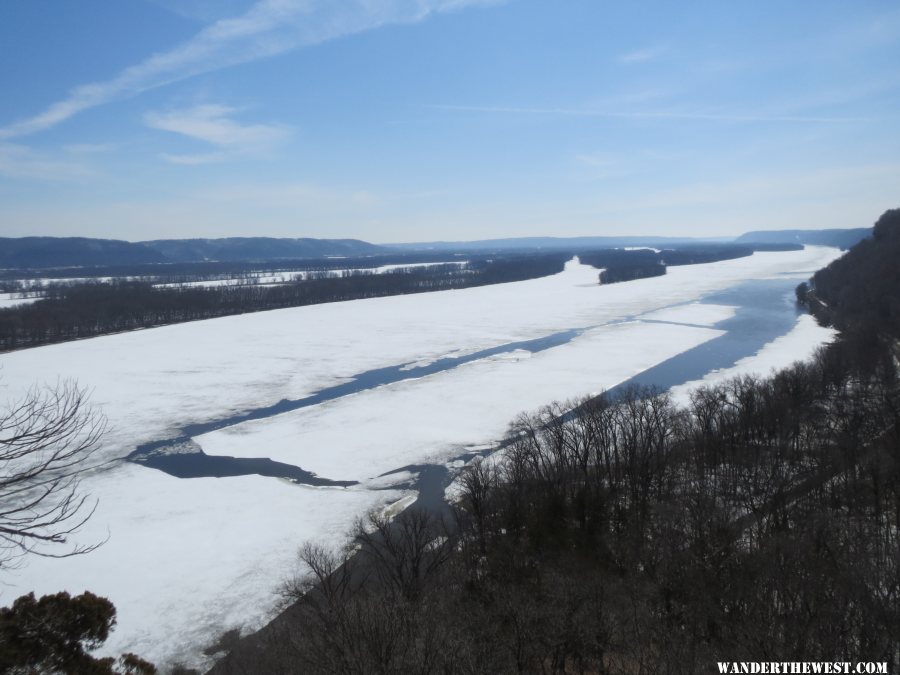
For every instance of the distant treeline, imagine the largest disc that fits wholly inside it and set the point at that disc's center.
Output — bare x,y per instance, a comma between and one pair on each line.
613,275
841,238
624,264
628,534
195,271
86,310
630,264
707,253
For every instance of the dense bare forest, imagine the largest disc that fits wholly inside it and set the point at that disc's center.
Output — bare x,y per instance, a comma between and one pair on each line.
73,311
628,534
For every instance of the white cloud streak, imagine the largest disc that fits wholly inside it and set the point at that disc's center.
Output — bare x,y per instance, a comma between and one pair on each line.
268,28
204,11
642,115
641,55
89,148
839,182
213,124
24,163
196,159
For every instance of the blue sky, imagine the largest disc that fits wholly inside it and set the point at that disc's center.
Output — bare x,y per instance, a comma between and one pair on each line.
413,120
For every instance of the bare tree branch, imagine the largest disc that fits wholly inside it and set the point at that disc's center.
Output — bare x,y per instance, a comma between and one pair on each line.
47,441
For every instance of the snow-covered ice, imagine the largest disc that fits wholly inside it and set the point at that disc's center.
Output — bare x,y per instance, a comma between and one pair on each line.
366,434
151,382
205,554
697,313
186,560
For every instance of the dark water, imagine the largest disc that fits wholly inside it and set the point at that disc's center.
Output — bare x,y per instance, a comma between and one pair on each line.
763,314
429,482
765,311
184,458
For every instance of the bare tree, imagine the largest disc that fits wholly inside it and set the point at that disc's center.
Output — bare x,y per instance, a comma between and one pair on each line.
405,552
47,440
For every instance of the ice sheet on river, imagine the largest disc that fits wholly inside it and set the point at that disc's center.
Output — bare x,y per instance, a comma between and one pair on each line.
187,558
366,434
151,382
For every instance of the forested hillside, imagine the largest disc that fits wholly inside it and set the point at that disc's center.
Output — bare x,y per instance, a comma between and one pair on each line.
629,534
43,252
840,238
858,293
259,248
52,252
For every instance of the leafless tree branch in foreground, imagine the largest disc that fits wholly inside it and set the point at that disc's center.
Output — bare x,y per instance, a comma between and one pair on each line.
47,440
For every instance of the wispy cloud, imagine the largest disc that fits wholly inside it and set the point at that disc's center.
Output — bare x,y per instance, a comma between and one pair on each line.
833,196
89,148
643,115
214,124
596,161
811,99
602,165
205,11
268,28
198,159
281,209
641,55
292,196
797,186
22,162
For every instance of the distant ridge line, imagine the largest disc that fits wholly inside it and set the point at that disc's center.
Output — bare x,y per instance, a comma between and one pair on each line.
47,252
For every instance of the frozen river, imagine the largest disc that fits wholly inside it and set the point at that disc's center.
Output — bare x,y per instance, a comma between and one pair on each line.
764,310
337,398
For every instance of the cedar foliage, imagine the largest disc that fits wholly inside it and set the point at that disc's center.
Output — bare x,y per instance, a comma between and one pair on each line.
54,634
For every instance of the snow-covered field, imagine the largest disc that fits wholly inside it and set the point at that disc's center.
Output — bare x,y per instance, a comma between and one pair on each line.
14,300
188,559
251,278
287,276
